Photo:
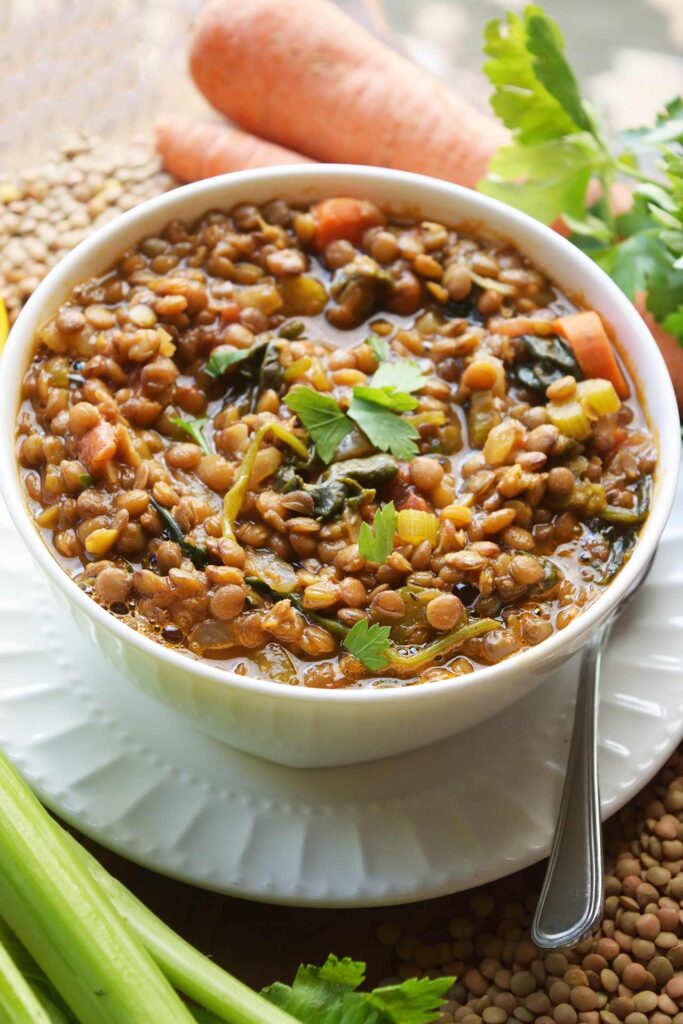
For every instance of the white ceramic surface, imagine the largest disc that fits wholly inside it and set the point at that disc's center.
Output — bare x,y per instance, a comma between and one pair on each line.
296,725
141,780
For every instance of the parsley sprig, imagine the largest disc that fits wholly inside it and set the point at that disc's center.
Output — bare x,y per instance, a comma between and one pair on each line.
558,146
376,542
328,995
195,429
375,408
369,644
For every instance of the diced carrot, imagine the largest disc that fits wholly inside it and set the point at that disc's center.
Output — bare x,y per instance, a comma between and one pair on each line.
512,327
343,217
594,353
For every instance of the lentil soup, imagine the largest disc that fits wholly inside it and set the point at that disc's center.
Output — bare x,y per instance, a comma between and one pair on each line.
330,448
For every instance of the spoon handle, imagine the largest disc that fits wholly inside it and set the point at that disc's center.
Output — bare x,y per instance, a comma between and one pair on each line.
570,903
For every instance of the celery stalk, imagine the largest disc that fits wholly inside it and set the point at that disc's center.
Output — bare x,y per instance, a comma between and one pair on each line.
444,645
18,1003
186,968
67,924
232,502
56,1010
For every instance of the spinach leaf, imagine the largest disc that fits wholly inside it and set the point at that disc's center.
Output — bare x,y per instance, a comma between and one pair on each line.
373,471
198,555
248,377
546,359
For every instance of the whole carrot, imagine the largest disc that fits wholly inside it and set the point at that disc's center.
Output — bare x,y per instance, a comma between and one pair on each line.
304,75
192,151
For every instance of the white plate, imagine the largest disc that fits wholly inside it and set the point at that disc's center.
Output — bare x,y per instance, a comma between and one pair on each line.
143,782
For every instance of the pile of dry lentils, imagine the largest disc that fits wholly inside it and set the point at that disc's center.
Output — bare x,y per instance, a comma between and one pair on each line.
631,971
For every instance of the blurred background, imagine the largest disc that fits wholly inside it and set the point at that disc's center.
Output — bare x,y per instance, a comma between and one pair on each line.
110,68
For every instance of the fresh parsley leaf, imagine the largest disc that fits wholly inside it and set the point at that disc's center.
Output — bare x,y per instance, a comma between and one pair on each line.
633,262
535,95
383,428
322,417
543,180
380,346
668,127
673,323
86,480
665,292
376,542
546,44
557,146
195,429
219,362
403,375
369,644
415,1001
387,397
328,995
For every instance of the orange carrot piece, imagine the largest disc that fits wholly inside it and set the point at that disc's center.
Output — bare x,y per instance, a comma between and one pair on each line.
593,350
192,150
303,74
343,217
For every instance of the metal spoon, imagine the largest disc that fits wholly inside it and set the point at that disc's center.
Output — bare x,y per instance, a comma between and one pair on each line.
570,904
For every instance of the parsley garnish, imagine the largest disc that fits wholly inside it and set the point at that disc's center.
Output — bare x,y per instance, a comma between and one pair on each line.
86,480
327,995
374,408
379,346
385,430
376,542
195,429
403,375
219,362
322,417
369,644
388,398
558,147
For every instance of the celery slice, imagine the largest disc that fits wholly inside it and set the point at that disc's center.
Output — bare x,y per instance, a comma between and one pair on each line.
18,1003
68,925
184,966
444,645
232,502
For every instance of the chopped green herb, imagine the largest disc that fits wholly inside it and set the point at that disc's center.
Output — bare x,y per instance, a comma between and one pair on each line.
383,428
86,480
198,555
558,146
219,362
380,346
327,995
388,397
322,417
370,644
403,375
376,542
195,429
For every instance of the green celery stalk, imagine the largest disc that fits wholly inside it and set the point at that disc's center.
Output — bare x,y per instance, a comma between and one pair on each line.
67,924
186,968
447,643
56,1009
18,1003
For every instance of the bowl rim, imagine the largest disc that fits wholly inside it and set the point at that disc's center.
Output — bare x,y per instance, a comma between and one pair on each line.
477,207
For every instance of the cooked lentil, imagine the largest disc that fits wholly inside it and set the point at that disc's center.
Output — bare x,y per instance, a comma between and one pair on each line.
129,443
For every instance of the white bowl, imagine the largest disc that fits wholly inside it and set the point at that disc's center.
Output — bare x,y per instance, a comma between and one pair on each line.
309,727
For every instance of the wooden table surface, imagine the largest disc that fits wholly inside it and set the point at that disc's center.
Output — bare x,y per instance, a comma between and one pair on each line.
260,943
